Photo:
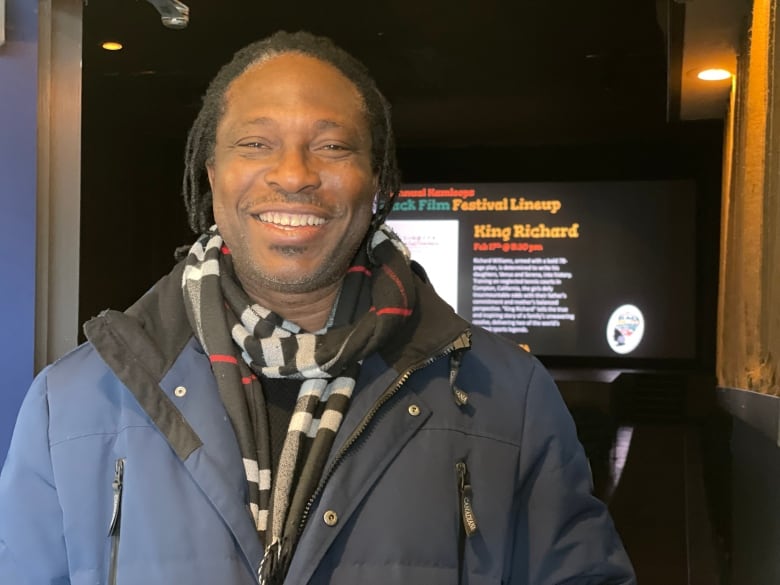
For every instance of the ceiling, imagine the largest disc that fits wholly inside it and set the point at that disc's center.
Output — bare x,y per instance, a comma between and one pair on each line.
458,73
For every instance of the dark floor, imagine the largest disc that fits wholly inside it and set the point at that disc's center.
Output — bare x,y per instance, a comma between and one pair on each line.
663,471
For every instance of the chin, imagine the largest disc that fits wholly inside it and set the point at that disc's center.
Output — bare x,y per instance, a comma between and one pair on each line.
296,282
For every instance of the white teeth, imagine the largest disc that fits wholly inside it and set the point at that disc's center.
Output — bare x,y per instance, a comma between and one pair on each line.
291,219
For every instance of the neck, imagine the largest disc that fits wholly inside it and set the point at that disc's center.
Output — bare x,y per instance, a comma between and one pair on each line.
310,311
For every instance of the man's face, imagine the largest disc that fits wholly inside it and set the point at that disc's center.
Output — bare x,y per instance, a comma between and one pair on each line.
291,175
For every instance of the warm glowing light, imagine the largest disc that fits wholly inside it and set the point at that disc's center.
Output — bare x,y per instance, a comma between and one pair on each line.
714,74
112,46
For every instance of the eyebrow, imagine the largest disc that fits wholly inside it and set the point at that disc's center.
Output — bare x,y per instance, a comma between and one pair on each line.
327,124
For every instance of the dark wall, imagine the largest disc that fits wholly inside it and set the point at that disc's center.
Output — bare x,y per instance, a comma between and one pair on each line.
132,214
756,493
755,484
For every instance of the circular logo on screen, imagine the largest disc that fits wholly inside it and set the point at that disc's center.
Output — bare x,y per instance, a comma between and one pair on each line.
625,329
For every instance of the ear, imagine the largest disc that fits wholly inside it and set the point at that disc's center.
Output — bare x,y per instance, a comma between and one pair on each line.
210,172
375,184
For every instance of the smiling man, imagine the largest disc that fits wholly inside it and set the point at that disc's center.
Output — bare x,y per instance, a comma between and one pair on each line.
294,403
293,183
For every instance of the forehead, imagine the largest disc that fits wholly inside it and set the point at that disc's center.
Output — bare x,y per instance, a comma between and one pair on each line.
294,81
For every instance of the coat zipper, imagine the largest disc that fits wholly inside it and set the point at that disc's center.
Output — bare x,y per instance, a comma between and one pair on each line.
116,513
461,342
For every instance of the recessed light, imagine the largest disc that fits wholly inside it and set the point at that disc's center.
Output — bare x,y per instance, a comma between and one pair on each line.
714,75
112,46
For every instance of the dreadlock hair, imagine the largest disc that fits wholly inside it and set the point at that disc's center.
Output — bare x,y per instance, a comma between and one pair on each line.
202,136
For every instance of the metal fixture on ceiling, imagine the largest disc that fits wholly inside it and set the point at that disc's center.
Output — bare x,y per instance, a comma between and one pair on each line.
174,14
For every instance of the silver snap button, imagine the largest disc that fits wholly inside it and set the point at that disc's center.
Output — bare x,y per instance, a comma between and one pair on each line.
180,391
331,518
414,410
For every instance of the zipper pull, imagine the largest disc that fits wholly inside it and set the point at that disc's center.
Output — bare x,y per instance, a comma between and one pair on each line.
466,507
119,472
460,395
269,565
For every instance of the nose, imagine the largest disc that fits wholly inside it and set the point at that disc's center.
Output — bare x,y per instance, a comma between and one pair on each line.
292,171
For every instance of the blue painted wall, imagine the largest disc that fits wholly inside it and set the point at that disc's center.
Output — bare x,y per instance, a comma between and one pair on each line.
18,124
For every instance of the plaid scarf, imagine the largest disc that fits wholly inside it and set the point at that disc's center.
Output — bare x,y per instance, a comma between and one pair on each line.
244,340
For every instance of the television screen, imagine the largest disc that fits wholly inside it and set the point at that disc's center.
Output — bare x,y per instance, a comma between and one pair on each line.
563,269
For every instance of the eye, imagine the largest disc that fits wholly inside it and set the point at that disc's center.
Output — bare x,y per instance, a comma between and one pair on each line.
335,147
334,150
252,144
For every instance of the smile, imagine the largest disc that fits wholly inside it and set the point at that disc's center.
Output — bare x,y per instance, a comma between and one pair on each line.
290,219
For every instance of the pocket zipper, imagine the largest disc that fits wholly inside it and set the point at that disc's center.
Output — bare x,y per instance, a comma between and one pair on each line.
466,505
116,512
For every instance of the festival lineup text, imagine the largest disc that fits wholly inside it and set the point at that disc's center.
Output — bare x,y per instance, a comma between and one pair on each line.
487,236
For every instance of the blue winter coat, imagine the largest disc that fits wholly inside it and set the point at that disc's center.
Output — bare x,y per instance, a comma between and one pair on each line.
124,468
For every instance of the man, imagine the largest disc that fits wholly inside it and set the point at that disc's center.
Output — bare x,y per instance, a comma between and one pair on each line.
294,403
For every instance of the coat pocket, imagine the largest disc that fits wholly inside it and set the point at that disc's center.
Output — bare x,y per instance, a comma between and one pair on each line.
116,519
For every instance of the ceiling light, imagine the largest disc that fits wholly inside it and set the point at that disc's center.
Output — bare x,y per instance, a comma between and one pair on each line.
112,46
714,74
